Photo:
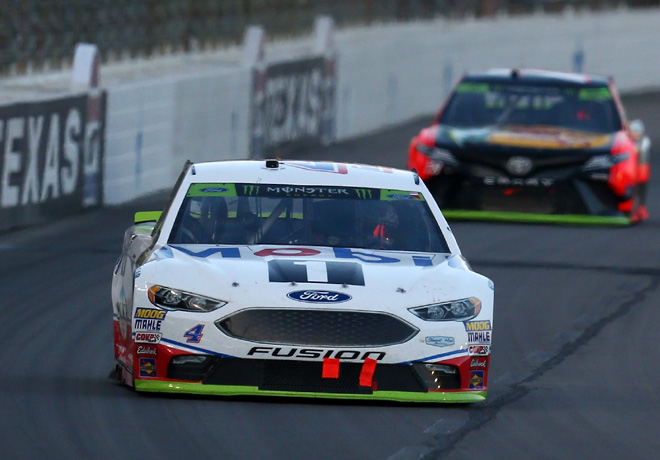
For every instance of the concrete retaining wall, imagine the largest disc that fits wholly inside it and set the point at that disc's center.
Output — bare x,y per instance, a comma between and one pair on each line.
164,111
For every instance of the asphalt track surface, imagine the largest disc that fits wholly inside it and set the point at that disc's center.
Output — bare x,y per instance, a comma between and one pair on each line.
575,365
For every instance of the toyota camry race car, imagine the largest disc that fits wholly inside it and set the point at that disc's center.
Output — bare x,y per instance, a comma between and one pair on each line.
290,278
531,145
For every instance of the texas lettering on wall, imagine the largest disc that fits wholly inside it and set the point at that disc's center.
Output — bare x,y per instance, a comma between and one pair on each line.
51,155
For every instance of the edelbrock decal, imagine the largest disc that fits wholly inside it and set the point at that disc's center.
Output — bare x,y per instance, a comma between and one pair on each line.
313,296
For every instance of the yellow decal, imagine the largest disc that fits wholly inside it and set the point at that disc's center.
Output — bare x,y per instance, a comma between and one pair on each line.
548,138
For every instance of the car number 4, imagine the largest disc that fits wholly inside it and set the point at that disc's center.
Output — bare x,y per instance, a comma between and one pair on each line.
194,335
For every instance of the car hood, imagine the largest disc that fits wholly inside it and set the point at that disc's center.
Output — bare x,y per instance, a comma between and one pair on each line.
267,275
522,137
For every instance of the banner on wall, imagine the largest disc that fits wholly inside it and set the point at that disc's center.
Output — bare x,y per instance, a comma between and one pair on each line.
292,105
51,158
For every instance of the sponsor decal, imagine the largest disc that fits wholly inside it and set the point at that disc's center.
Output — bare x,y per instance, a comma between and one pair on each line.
364,193
479,350
214,190
340,253
138,272
319,296
148,367
529,182
318,192
147,350
439,341
287,252
250,190
346,253
479,337
400,196
316,353
476,380
225,252
147,324
422,261
150,313
147,337
478,325
476,362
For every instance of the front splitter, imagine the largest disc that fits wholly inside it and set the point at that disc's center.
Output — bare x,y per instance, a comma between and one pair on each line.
160,386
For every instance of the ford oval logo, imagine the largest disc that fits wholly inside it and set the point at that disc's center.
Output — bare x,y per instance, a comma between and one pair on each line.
519,166
319,296
214,190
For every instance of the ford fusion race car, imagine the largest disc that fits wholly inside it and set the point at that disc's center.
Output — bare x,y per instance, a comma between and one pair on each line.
531,145
289,278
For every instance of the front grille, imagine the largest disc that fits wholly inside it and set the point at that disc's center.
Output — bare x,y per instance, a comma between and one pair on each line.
303,376
307,376
317,327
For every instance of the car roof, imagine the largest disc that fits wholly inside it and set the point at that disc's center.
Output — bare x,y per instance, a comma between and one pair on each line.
537,76
304,173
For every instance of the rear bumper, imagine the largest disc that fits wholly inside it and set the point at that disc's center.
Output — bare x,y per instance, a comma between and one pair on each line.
573,201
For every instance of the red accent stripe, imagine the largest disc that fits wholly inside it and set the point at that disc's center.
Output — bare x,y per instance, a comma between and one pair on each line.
330,368
643,173
367,373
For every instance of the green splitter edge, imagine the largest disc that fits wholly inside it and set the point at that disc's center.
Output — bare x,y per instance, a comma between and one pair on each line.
574,219
156,386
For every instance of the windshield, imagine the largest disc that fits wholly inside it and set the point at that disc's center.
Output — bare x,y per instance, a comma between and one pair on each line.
239,214
475,104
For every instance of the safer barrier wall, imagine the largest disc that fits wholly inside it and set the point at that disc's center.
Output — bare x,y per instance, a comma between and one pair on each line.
156,125
386,74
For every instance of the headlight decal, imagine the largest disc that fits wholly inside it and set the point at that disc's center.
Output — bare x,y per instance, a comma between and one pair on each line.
174,299
457,310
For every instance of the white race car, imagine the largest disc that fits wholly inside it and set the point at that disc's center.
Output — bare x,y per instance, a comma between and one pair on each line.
293,278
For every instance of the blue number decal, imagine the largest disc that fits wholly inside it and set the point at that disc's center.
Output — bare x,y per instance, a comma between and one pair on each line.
194,335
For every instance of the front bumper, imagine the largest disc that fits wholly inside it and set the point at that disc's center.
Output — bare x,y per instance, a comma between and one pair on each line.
456,380
412,382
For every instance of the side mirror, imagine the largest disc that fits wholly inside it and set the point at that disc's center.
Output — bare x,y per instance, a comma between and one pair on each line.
142,217
637,128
